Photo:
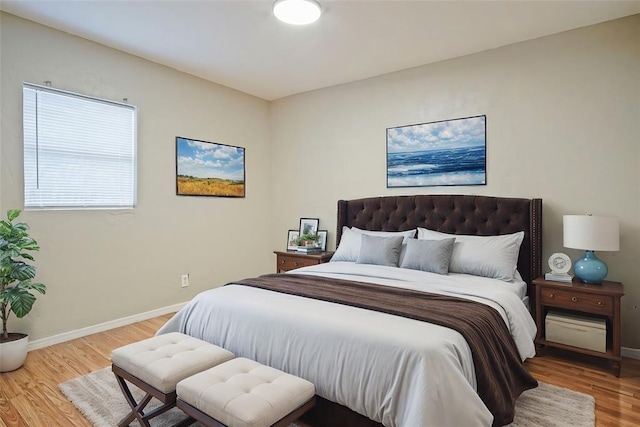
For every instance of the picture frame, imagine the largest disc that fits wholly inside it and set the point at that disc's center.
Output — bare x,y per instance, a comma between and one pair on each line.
443,153
209,169
292,235
309,225
322,240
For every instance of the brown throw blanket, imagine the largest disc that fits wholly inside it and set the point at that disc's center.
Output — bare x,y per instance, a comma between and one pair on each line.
500,375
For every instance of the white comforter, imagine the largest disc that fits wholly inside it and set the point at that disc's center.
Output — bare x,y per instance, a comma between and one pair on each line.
396,371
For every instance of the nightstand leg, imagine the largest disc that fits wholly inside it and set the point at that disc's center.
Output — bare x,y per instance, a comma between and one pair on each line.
539,350
616,368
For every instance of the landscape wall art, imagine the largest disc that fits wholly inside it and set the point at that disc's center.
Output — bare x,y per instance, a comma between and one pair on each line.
209,169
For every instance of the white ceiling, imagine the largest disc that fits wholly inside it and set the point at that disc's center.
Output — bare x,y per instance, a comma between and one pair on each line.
240,44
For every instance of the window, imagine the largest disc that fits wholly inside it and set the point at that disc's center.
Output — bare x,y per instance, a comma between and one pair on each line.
79,152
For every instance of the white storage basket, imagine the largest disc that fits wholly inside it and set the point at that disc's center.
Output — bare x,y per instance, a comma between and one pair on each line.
577,331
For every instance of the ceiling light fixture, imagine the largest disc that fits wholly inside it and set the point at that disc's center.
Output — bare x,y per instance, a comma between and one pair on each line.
297,12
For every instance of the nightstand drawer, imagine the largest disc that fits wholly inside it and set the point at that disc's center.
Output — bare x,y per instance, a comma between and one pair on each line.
290,260
286,263
579,301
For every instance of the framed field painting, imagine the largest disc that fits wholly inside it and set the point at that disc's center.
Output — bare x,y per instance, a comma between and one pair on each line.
448,152
209,169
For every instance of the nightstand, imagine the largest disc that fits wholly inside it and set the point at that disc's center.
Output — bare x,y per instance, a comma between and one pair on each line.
593,301
289,260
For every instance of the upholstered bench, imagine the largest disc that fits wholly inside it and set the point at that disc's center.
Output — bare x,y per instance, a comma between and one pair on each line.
244,393
156,365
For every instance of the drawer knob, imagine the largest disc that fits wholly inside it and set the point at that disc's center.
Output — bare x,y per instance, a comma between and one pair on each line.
574,299
295,263
283,261
552,296
600,303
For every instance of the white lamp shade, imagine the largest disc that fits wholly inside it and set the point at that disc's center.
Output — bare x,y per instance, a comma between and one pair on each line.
591,233
297,12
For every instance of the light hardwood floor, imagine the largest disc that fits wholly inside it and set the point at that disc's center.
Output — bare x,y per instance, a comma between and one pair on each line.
30,396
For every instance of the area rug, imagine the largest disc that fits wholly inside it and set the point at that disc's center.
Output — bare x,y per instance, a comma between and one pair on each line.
98,397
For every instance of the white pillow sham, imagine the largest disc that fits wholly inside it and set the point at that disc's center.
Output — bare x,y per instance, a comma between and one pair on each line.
351,241
488,256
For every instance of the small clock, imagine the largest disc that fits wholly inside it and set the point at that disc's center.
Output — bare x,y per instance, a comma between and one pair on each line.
559,263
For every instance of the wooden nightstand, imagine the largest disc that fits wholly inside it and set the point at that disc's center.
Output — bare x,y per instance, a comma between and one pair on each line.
597,301
289,260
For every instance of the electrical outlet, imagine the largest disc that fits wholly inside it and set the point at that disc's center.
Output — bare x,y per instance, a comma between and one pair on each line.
185,280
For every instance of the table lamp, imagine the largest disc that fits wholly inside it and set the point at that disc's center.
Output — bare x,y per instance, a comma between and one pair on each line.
591,233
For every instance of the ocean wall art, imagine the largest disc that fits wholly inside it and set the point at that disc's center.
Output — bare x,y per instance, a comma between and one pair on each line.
447,152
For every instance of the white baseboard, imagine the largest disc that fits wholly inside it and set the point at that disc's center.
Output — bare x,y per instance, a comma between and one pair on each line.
631,353
78,333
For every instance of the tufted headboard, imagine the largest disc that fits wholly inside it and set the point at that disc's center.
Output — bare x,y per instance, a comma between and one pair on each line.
455,214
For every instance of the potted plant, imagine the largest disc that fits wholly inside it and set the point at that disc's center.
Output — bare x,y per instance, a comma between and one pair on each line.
307,239
15,287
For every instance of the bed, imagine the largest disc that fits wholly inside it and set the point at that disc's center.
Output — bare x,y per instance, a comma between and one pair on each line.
370,367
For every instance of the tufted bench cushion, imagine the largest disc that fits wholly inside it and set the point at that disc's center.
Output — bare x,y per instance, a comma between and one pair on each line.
164,360
244,393
156,365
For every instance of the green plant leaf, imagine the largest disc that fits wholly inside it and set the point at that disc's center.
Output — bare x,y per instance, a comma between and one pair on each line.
26,285
12,214
26,256
12,252
38,287
21,302
21,226
22,271
5,228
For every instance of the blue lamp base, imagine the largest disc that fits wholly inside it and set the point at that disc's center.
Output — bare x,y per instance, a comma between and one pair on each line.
590,269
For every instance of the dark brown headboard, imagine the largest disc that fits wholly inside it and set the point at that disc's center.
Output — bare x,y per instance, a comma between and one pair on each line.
455,214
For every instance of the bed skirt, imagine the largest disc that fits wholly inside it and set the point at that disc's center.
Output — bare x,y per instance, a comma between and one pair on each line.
330,414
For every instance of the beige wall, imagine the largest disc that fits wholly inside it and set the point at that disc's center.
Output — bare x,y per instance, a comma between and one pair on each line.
563,124
104,265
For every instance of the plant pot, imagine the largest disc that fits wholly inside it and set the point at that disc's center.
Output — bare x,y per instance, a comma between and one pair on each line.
14,352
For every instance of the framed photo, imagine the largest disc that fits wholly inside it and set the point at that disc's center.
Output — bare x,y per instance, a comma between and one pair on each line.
291,240
322,240
209,169
448,152
309,225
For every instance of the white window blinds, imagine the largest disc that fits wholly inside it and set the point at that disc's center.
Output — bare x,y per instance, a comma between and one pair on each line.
79,152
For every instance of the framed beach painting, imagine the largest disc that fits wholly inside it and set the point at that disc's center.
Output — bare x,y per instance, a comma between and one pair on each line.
209,169
448,152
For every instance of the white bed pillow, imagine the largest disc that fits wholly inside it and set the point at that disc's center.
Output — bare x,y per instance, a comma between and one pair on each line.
432,256
350,242
409,234
380,250
488,256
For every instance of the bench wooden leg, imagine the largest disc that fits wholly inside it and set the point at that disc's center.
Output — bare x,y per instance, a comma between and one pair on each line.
137,408
297,413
